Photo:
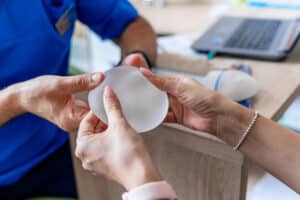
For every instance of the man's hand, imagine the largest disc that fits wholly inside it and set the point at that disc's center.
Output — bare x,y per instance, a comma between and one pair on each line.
51,97
136,60
115,150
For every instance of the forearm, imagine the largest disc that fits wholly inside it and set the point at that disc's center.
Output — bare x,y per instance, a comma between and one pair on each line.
138,36
270,145
9,104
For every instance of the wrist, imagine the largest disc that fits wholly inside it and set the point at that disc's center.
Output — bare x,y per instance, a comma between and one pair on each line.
140,173
11,101
232,121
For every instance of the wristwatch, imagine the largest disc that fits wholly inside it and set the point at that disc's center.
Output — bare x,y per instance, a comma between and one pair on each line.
146,57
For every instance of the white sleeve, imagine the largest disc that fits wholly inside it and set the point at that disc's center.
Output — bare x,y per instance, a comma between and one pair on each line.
151,191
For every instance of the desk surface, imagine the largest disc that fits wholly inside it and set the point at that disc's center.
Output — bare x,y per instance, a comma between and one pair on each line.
185,18
279,80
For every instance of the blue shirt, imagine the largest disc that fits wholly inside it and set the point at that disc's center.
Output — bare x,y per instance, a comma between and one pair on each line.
30,46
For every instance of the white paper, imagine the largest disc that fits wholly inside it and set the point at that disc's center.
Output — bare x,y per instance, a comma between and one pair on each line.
144,106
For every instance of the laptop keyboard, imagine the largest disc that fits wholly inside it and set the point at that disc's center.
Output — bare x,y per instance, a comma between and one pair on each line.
254,34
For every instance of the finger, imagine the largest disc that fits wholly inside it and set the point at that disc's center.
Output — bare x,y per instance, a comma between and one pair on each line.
80,83
89,124
166,83
136,60
176,108
112,106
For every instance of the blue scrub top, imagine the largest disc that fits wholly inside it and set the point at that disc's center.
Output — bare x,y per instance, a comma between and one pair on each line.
30,46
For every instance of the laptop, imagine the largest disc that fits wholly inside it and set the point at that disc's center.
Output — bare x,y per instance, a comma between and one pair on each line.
267,39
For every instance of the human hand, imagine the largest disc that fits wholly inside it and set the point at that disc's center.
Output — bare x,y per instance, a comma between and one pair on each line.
136,60
51,97
115,150
191,104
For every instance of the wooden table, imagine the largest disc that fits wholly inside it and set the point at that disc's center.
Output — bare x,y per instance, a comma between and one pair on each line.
198,165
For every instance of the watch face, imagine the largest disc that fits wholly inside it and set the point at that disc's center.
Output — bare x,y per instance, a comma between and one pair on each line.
144,106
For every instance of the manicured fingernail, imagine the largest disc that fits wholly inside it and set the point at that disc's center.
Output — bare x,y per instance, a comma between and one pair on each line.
108,92
96,77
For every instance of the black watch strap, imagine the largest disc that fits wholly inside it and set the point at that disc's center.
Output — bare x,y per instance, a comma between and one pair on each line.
149,63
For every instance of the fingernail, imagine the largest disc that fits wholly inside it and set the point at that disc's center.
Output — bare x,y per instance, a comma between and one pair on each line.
146,72
127,59
108,92
96,77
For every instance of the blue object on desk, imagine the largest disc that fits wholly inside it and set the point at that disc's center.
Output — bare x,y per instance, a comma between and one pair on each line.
244,68
247,69
211,55
265,4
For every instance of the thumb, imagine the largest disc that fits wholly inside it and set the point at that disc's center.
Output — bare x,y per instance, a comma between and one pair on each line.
88,124
112,106
136,60
81,83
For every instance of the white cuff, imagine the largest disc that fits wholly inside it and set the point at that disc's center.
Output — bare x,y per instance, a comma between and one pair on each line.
151,191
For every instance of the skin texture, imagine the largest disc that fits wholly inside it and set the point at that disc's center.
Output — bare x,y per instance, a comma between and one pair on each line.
114,150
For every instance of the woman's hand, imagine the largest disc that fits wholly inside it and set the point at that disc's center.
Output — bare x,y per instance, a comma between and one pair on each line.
51,97
115,150
200,108
191,104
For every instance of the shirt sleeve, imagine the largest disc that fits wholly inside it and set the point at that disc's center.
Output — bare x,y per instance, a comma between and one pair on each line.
108,18
151,191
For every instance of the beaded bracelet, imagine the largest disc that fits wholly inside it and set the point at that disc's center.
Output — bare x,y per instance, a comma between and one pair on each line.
247,131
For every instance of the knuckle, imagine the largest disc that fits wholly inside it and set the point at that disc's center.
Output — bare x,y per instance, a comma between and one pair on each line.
178,83
187,81
113,105
81,151
85,166
80,82
89,163
187,84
